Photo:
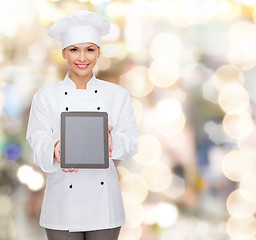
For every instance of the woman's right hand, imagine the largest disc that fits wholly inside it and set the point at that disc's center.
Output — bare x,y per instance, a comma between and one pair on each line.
57,151
57,156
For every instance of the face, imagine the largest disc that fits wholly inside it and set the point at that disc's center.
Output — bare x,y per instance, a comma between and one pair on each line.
81,59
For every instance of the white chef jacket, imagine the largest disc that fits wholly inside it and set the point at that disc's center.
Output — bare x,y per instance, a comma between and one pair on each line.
89,199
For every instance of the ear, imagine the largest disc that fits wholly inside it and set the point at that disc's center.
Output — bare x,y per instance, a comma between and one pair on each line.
64,53
98,52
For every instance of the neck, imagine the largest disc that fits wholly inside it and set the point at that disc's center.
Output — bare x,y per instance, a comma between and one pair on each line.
80,81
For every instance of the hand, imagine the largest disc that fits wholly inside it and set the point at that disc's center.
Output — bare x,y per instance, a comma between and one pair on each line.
57,156
69,170
110,143
57,151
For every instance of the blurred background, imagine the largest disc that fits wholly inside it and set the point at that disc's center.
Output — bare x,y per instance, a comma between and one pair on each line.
189,66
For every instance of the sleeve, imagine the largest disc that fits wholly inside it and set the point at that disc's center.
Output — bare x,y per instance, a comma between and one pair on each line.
40,136
125,135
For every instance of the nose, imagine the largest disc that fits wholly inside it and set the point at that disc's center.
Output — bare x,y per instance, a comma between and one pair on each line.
82,56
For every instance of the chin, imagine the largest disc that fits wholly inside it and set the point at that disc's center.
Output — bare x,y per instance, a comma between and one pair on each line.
81,73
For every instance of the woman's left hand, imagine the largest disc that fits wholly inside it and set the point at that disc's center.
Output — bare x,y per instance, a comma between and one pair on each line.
57,156
110,143
69,170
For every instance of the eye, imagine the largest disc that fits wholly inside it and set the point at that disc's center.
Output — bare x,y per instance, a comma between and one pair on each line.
90,49
73,49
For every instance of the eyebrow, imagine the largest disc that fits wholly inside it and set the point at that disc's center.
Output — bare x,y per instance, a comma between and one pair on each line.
72,46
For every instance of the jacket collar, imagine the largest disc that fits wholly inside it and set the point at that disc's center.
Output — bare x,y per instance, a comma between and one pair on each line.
68,82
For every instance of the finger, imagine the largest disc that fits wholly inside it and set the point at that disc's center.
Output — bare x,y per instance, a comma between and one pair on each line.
65,170
57,151
110,145
56,155
110,128
58,158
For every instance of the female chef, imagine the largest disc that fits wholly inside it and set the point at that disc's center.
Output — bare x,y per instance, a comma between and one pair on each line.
83,204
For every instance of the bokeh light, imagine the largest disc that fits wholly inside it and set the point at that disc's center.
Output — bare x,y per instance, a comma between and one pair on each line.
152,173
170,119
104,63
236,204
122,171
236,165
247,187
113,50
247,2
116,9
12,152
133,233
243,237
137,82
149,150
234,98
242,51
210,93
114,34
226,10
134,215
18,14
134,27
166,214
238,125
227,74
137,109
177,187
242,224
183,13
12,95
164,72
172,234
48,12
33,179
248,144
7,226
134,188
36,52
2,98
169,110
163,214
166,45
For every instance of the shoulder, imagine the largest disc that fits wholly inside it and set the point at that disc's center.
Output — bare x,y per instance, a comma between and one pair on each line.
48,90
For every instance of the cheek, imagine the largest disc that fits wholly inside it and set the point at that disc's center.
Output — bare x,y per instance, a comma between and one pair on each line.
94,58
70,58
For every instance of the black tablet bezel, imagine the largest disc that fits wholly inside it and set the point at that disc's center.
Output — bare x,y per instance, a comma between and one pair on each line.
103,115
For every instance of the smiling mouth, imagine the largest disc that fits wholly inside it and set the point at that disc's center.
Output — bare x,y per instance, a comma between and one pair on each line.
82,66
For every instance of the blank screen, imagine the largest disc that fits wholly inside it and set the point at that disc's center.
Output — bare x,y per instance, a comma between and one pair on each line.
84,140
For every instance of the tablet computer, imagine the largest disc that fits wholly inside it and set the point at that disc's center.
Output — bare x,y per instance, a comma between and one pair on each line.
84,140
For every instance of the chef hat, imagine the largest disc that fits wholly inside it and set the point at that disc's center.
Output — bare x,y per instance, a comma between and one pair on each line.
79,27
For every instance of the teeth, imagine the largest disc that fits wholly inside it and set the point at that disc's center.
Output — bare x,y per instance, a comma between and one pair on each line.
82,66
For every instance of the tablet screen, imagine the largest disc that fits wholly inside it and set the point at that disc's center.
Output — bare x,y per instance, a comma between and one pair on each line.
84,140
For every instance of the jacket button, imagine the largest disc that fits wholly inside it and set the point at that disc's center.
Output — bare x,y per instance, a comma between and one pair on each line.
66,108
98,108
96,91
70,186
66,93
102,183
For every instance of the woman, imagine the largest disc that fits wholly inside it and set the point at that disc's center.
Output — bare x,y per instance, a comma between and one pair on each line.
85,203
